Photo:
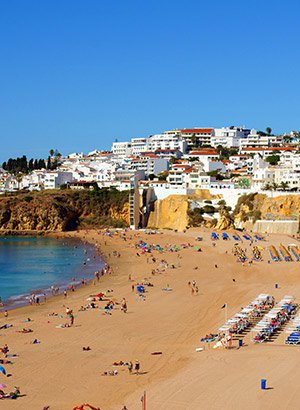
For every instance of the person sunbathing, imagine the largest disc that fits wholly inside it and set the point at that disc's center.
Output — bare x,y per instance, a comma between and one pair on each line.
110,373
6,326
24,330
12,395
5,361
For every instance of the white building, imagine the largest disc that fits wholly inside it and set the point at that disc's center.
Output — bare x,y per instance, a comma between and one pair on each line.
54,179
121,149
228,137
166,142
256,140
262,173
196,136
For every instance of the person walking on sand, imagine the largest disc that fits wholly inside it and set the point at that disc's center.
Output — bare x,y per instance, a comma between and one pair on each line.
130,367
137,367
71,316
124,305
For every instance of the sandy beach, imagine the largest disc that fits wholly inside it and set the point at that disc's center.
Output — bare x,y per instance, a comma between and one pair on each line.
58,373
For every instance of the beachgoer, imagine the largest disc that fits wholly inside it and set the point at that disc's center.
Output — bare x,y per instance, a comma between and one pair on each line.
137,367
65,293
71,316
6,313
130,367
124,305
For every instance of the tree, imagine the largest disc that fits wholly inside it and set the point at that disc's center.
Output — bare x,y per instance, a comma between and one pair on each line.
273,159
209,209
274,186
51,152
244,183
267,187
30,164
163,176
284,185
268,130
49,162
151,176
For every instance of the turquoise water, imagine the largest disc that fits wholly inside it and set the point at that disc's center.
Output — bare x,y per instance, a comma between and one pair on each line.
31,265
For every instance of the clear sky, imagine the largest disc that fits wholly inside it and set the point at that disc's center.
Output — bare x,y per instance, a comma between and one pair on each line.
76,75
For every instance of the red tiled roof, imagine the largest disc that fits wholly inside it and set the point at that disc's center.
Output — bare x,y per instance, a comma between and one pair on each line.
281,149
196,130
204,152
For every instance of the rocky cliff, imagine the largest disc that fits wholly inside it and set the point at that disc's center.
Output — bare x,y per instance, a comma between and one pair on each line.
260,206
174,211
63,210
170,213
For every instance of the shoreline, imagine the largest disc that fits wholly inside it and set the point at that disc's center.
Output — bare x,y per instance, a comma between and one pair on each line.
22,300
169,322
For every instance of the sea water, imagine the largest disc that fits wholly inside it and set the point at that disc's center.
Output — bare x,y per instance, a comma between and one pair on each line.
34,264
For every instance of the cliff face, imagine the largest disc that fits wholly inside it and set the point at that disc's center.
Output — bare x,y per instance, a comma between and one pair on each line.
259,206
61,211
170,213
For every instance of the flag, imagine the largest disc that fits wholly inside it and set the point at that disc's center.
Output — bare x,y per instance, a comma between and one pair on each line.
224,306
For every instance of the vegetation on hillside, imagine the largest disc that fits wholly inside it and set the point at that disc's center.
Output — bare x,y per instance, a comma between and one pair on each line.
64,209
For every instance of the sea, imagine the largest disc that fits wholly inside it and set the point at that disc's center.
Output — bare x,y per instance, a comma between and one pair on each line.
33,264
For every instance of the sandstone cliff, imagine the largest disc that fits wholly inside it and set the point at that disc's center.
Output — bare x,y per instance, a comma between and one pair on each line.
170,213
173,212
260,206
63,210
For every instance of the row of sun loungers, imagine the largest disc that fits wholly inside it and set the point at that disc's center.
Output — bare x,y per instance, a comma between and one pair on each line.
257,253
294,332
240,253
274,254
285,253
295,251
275,319
244,319
214,236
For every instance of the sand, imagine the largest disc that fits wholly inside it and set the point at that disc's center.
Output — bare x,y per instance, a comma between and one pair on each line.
58,373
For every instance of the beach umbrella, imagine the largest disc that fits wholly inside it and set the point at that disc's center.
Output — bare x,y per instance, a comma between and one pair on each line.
2,370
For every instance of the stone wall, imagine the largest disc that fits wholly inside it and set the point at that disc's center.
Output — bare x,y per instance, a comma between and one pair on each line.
281,227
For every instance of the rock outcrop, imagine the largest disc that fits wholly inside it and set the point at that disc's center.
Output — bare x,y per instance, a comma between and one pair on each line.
170,213
173,211
63,210
224,222
260,206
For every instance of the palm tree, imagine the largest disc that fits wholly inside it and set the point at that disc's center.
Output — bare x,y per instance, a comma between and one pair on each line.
274,186
268,130
267,187
51,152
284,186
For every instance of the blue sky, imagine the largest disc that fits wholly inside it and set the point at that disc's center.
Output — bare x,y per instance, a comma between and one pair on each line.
76,75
